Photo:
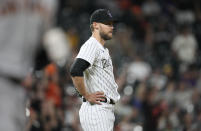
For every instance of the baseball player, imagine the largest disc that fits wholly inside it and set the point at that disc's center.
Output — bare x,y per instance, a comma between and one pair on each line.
92,75
20,32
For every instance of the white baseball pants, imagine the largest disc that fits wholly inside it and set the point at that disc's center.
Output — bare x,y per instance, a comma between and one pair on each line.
97,117
12,108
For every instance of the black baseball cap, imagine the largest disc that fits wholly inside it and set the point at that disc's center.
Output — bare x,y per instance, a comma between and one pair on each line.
102,16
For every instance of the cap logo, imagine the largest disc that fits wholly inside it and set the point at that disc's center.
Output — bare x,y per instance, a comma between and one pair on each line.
108,12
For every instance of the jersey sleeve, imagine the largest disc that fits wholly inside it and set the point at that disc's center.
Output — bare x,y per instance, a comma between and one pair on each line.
88,52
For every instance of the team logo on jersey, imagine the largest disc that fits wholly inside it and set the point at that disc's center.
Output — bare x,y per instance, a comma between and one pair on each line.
105,63
108,12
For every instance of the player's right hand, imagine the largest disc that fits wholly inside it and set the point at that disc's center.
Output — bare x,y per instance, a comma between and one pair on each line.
95,98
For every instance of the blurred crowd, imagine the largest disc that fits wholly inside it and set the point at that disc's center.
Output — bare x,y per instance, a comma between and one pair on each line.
155,52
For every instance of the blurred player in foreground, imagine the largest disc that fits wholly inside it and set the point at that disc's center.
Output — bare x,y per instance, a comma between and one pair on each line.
20,32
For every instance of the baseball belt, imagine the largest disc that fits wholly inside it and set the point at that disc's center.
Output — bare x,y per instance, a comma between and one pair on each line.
12,79
110,101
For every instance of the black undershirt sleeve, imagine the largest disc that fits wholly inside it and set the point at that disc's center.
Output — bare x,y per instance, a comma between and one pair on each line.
78,67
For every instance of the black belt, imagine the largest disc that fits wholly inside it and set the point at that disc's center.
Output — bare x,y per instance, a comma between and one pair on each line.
105,101
12,79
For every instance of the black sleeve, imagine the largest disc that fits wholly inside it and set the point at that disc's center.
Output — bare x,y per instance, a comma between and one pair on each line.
78,67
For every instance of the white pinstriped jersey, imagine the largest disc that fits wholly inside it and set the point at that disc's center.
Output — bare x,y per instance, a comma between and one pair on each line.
99,76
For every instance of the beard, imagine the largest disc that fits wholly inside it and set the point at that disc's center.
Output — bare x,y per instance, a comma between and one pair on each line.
105,36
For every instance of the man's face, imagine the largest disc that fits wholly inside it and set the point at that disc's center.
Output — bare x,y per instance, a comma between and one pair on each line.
106,30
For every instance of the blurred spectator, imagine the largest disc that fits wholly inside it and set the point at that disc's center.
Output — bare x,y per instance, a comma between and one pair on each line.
53,92
185,47
71,113
138,71
57,46
183,97
150,112
157,79
186,16
150,8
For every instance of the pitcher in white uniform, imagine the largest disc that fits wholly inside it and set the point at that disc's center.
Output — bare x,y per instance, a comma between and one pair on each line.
93,77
